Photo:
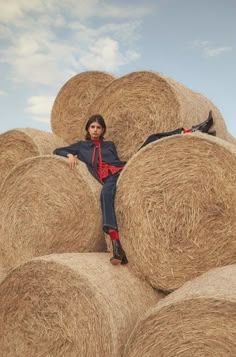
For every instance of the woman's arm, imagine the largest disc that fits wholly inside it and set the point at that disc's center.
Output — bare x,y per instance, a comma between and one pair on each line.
64,151
70,151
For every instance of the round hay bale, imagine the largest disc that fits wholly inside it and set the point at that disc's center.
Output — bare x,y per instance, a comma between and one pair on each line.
70,305
48,208
144,102
69,111
3,273
176,208
231,139
19,144
199,319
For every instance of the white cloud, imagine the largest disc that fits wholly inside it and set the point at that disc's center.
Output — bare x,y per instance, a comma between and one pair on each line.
40,107
200,43
38,58
41,119
15,9
208,50
48,41
104,9
5,32
105,54
213,52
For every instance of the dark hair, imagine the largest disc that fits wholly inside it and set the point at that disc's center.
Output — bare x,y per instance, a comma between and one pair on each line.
95,118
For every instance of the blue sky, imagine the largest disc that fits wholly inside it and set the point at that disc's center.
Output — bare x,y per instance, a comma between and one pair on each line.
43,43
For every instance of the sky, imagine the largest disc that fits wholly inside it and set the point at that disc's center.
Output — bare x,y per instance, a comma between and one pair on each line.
43,43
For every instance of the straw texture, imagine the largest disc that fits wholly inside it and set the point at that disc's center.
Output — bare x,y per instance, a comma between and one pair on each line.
199,319
144,102
69,112
47,208
70,305
2,273
176,208
231,139
19,144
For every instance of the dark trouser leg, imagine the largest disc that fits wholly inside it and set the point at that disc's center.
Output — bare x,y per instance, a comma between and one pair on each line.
158,136
107,203
109,217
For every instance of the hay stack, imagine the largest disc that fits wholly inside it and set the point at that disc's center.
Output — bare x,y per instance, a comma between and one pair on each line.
70,305
3,273
47,208
199,319
176,208
144,102
19,144
69,112
231,139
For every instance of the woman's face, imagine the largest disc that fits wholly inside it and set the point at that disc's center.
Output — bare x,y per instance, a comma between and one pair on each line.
95,130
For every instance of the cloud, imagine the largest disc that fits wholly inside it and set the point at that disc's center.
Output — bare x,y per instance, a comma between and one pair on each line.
15,9
40,107
38,58
208,50
48,42
213,52
3,93
105,54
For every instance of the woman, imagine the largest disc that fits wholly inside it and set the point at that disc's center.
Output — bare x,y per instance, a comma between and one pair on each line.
103,163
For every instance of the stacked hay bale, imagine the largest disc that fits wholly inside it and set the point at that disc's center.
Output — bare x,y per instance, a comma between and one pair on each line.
144,102
69,112
175,205
3,273
198,319
70,305
183,220
19,144
46,208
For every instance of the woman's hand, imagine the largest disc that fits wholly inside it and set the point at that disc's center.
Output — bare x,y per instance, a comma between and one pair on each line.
72,161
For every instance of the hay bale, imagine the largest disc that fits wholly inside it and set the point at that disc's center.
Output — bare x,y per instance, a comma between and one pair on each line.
48,208
144,102
199,319
69,112
176,208
3,273
19,144
231,139
70,305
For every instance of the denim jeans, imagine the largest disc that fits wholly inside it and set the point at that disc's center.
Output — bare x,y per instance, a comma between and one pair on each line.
107,199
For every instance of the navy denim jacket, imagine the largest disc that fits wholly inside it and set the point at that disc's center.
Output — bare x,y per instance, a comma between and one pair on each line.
84,149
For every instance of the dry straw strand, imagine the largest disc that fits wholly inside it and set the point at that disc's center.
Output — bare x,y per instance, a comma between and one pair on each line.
19,144
144,102
47,208
69,112
70,305
3,273
176,208
198,319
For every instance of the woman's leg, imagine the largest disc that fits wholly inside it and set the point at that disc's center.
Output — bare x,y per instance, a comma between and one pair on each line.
158,136
203,127
109,219
107,203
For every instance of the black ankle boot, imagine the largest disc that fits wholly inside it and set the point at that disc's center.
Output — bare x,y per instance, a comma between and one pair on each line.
205,125
119,256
